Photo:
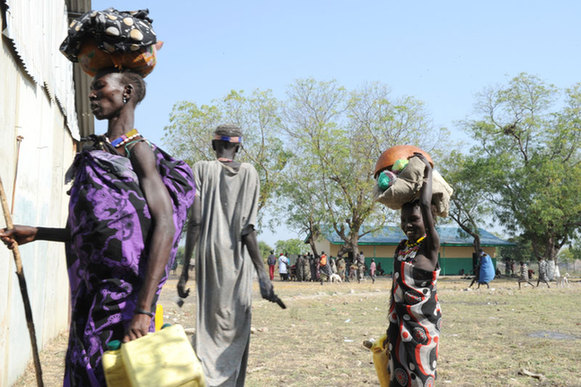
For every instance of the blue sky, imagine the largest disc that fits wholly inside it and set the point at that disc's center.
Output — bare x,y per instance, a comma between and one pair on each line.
441,52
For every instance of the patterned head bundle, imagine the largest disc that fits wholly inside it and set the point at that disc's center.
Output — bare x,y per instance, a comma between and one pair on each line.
112,38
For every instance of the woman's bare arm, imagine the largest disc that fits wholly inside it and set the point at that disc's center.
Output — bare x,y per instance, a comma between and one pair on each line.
160,207
432,237
192,236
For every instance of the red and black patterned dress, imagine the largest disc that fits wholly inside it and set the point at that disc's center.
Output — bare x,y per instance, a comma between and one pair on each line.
415,320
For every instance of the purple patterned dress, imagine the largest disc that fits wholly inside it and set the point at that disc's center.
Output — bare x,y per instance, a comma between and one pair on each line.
110,228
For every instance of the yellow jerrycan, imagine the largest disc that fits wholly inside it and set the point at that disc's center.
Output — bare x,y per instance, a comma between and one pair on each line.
158,317
161,359
380,359
115,374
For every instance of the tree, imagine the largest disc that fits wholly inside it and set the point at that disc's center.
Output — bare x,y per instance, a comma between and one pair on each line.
291,246
521,252
527,157
575,250
572,252
265,249
468,206
337,136
566,255
258,116
300,201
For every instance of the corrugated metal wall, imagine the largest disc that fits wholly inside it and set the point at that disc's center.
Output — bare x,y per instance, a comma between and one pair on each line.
36,30
76,8
37,101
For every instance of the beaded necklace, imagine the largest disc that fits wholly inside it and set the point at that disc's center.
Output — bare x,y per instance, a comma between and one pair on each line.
409,251
124,138
416,243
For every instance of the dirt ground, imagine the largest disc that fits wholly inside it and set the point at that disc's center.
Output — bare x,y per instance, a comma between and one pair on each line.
491,337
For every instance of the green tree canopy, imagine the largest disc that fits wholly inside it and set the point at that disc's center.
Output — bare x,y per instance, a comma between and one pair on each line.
265,249
527,159
521,252
291,246
468,205
300,201
337,137
258,115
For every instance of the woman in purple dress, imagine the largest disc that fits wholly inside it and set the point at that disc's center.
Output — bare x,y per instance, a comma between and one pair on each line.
128,204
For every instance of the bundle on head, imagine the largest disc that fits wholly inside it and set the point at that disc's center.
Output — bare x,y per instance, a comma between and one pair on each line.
400,179
111,38
399,152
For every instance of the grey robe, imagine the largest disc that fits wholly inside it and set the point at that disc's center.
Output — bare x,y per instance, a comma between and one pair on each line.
229,203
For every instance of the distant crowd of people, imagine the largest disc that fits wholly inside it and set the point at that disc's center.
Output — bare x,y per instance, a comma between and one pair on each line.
323,268
524,273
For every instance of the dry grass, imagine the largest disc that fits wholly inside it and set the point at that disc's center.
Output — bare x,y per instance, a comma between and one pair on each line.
488,334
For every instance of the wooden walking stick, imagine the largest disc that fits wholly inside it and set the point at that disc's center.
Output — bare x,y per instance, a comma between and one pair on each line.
23,289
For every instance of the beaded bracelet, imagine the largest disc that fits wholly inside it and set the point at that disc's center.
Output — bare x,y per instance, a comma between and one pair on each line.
142,311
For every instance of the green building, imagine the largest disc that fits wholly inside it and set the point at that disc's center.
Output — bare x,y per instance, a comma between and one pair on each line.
456,247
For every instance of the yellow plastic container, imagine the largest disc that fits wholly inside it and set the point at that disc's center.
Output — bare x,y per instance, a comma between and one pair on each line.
163,359
158,317
380,361
115,374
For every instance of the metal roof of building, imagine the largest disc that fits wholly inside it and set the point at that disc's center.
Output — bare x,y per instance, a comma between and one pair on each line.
449,236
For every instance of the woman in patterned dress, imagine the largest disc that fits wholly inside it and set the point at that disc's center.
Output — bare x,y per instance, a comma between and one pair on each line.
543,275
524,275
414,313
128,203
